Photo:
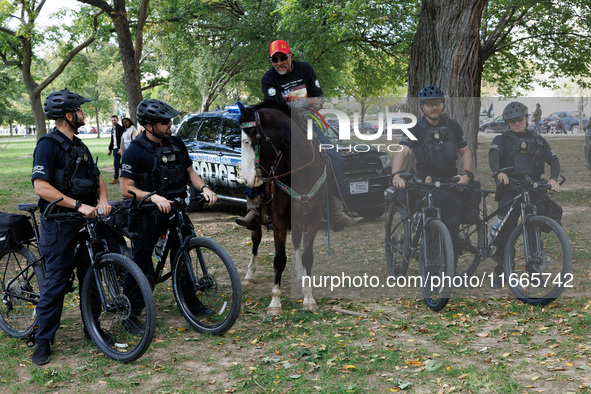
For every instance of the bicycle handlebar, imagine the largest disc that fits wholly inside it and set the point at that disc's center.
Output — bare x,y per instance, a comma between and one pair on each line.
142,205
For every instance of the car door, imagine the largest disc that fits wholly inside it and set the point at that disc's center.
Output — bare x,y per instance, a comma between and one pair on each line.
228,171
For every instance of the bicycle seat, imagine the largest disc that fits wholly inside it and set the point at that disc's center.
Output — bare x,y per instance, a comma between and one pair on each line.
27,207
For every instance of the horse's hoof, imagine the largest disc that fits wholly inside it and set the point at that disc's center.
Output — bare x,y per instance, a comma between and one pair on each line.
247,283
310,306
274,311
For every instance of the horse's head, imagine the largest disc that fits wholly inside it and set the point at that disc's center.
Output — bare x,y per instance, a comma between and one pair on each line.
251,174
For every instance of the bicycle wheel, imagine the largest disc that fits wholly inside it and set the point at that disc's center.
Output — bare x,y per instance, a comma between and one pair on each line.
436,265
542,276
397,243
21,288
470,247
117,332
211,300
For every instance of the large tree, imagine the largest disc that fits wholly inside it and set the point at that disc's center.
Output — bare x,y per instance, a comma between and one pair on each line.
506,42
17,48
130,37
210,48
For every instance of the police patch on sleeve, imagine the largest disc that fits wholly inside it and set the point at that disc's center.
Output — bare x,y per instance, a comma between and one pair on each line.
272,92
317,83
39,170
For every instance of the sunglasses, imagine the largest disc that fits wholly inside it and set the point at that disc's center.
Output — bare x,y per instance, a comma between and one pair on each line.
516,120
281,58
163,122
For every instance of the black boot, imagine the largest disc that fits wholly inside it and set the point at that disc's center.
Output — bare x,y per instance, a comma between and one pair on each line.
42,352
252,220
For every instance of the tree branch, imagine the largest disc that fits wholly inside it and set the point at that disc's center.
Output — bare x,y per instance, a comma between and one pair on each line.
139,31
70,56
7,31
101,4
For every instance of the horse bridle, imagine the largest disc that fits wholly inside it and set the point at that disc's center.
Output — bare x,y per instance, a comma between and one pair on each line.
278,154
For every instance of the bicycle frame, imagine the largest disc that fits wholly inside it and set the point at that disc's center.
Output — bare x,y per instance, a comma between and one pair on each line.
527,209
156,273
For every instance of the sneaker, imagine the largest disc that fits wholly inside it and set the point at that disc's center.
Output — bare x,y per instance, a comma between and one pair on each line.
198,309
106,337
133,325
114,181
41,353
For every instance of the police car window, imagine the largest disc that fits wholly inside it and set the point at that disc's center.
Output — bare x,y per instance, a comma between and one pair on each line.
188,129
210,130
231,136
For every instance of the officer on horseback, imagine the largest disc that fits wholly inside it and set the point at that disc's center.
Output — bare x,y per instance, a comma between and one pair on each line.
295,83
439,141
525,152
158,161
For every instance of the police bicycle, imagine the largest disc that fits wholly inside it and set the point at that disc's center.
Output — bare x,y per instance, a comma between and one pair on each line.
105,305
201,269
21,274
418,230
538,257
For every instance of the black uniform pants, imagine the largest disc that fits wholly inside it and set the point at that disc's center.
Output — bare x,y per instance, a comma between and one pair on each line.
143,247
57,244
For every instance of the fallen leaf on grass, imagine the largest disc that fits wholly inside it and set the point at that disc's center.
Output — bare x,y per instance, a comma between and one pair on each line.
506,355
414,363
482,334
554,346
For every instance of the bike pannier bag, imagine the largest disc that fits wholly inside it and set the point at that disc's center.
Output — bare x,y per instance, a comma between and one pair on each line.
14,229
553,210
470,204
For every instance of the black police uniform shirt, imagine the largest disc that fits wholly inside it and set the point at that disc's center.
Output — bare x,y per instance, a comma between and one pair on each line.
504,145
48,157
420,133
137,159
301,82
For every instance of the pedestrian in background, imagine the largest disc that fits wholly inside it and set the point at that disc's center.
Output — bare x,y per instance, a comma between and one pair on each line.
128,135
116,132
537,117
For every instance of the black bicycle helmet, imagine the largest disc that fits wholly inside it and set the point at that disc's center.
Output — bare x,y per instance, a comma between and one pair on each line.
59,103
151,111
431,92
514,110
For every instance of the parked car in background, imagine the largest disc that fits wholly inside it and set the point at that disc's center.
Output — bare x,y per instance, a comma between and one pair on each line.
570,120
213,140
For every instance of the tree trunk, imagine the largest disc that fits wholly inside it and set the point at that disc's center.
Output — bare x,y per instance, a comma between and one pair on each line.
446,52
127,52
98,125
38,112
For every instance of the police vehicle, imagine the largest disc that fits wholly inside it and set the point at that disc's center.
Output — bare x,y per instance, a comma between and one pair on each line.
213,141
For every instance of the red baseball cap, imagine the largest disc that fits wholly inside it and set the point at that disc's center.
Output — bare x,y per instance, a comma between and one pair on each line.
279,46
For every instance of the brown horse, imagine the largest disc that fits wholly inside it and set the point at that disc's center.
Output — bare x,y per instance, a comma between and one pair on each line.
275,149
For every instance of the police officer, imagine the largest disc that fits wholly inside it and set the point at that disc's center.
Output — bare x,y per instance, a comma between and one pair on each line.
295,83
525,152
439,141
157,161
62,167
